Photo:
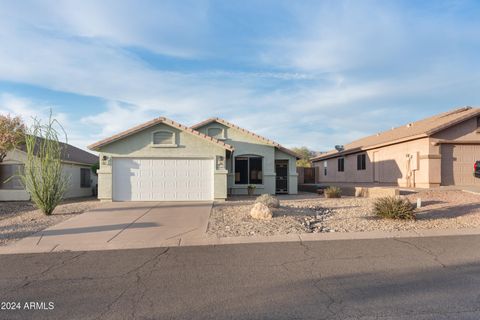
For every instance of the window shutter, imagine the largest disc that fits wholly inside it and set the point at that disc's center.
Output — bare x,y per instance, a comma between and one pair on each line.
216,133
163,137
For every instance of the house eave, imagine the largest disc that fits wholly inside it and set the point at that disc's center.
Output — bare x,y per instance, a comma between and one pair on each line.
102,143
363,149
248,132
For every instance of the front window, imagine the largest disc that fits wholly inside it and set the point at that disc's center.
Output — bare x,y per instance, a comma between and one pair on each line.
85,178
8,177
325,163
248,170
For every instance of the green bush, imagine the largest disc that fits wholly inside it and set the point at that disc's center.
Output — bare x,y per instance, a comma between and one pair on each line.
394,208
268,200
333,192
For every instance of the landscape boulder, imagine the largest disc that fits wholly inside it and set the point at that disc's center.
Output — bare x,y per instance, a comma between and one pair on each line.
261,212
268,200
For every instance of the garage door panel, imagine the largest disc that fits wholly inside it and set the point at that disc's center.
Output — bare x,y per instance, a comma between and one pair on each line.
162,179
457,164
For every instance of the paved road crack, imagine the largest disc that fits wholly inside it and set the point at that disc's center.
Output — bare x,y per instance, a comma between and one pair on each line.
420,248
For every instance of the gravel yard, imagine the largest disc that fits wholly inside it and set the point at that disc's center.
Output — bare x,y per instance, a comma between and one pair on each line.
20,218
306,213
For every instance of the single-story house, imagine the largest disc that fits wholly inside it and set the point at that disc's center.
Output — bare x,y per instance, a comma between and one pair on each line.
76,164
162,160
436,151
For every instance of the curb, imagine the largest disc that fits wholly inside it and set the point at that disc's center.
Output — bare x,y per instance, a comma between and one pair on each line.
206,241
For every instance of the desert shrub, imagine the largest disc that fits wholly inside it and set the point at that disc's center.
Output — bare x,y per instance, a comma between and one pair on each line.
333,192
394,208
43,176
268,200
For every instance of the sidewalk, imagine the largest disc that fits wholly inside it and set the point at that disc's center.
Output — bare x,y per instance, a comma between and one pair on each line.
23,247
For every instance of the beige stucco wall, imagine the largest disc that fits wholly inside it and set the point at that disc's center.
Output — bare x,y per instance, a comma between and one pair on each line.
466,130
139,145
71,170
246,144
388,165
391,162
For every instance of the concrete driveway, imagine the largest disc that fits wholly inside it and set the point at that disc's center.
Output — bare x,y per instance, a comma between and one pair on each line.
122,225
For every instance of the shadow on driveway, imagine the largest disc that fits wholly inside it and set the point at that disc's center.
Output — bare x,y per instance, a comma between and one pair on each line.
111,227
153,206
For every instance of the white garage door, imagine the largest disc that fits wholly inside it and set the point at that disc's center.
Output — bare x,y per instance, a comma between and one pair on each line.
162,179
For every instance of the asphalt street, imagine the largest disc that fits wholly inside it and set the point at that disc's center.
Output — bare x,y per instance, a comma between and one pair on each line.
414,278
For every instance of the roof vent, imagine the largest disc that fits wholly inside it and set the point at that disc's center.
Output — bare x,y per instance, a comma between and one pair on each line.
339,148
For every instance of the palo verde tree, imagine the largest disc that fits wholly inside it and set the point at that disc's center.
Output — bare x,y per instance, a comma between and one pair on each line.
305,155
42,176
12,133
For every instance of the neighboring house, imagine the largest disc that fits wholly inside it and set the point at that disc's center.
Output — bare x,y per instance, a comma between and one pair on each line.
440,150
162,160
76,164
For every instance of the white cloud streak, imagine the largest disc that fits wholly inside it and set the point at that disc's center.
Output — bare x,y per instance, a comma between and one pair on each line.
318,94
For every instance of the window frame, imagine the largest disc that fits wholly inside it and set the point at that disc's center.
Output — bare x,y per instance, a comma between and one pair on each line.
164,145
361,162
325,166
222,130
341,168
249,182
83,183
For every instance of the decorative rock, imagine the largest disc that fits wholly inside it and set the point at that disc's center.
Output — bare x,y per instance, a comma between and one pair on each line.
317,225
268,200
261,212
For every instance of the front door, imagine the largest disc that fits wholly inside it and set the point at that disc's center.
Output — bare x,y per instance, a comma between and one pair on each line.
281,170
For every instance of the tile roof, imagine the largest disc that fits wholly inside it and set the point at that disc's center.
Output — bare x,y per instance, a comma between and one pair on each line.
231,125
418,129
151,123
69,153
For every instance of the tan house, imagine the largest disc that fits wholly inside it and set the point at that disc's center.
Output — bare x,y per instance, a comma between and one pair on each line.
440,150
162,160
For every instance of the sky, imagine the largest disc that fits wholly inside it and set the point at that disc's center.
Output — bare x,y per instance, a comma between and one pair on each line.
303,73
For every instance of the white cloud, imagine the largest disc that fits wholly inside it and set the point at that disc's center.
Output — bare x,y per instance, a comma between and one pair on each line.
124,117
29,110
144,24
79,47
